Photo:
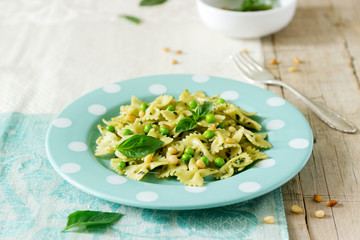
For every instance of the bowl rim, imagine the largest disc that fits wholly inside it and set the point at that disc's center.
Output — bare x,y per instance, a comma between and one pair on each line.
287,4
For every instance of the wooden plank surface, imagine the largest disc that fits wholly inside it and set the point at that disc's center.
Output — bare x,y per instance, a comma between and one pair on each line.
325,35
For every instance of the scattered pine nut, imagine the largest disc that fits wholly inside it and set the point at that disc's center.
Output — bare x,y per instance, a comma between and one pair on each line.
232,129
172,150
317,198
245,51
178,52
166,49
165,125
148,158
331,203
173,159
296,209
269,219
141,113
225,8
230,140
130,118
274,62
174,61
297,60
212,128
319,214
292,69
200,163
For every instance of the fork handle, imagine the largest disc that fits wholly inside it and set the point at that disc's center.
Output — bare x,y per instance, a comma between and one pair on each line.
331,118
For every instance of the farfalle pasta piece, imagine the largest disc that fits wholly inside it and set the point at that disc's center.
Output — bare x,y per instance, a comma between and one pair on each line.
256,139
194,176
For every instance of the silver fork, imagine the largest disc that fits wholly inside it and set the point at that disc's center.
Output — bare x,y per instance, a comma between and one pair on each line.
255,73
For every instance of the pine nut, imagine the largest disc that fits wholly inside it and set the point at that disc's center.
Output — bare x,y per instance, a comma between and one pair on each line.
166,49
130,118
331,203
232,129
292,69
230,140
174,61
141,113
166,126
148,158
200,163
297,60
319,214
173,159
274,62
212,128
178,52
269,219
317,198
172,150
296,209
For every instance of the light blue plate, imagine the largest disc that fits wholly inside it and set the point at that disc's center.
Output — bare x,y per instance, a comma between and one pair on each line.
71,139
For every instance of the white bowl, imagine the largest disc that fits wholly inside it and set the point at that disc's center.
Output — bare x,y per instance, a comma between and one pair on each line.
238,24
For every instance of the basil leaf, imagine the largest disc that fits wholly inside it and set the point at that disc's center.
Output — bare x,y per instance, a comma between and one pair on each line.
185,124
195,116
86,218
131,18
204,109
151,2
139,146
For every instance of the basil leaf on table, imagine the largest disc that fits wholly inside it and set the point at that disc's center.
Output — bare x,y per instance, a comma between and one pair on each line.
151,2
204,109
139,146
185,124
131,18
87,218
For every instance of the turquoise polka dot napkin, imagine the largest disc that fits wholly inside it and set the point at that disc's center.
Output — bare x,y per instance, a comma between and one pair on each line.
35,201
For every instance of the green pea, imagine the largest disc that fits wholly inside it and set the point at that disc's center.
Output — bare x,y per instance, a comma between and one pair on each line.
221,101
147,128
110,128
170,108
205,160
127,132
192,104
186,157
164,130
208,134
144,106
190,151
221,125
121,165
210,118
219,162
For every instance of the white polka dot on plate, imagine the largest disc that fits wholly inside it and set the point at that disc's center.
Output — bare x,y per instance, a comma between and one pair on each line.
200,78
62,122
229,95
97,109
249,187
70,168
112,88
157,89
147,196
275,124
115,179
265,163
77,146
195,189
299,143
275,101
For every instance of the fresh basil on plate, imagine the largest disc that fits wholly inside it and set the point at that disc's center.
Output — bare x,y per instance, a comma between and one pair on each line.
139,146
187,123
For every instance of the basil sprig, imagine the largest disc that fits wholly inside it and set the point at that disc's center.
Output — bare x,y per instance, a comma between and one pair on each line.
151,2
131,18
87,218
186,123
139,146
